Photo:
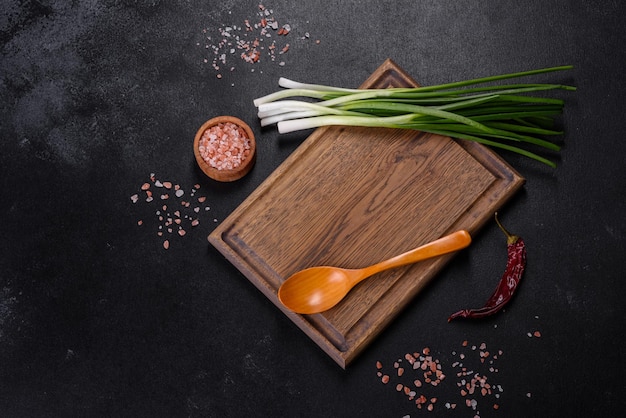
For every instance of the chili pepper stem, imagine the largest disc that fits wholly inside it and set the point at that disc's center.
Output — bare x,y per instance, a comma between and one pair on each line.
510,238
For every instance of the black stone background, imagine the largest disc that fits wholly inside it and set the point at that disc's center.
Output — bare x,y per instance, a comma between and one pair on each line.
97,319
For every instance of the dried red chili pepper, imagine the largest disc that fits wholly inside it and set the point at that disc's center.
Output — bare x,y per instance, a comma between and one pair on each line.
515,265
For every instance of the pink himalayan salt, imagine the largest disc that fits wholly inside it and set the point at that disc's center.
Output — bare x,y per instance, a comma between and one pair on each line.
224,146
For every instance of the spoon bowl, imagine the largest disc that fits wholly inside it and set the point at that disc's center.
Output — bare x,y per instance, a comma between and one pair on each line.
317,289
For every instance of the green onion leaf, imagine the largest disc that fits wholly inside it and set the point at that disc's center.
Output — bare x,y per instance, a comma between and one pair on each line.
496,115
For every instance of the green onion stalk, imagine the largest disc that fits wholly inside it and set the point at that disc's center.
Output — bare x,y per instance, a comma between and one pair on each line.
512,117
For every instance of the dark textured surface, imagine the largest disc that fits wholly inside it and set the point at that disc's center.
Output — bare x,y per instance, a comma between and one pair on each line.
97,319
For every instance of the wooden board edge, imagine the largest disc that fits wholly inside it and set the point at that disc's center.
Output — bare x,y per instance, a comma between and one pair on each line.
386,66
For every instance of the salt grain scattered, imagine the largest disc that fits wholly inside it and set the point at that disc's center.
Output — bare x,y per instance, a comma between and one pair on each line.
474,386
168,216
252,42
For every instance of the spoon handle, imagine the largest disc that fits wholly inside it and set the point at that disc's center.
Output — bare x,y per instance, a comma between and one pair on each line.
447,244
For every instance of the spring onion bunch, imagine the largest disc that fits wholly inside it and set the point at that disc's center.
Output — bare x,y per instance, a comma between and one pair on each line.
507,116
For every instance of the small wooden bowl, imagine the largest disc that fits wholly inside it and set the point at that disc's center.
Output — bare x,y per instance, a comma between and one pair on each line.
224,174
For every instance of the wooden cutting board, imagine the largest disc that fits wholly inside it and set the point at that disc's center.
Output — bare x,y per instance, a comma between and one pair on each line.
351,197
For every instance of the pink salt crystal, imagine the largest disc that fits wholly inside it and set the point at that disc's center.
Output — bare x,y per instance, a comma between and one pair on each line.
224,146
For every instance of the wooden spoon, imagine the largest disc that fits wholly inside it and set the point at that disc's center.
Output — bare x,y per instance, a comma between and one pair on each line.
317,289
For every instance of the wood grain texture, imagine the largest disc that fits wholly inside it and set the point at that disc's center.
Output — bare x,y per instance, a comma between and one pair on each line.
351,197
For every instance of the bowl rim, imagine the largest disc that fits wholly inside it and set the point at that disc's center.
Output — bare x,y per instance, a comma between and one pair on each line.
225,174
